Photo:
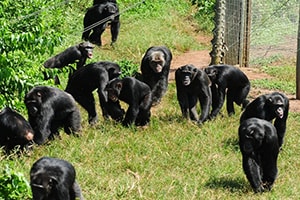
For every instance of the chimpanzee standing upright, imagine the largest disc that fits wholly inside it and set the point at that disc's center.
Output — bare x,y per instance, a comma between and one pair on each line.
155,69
96,19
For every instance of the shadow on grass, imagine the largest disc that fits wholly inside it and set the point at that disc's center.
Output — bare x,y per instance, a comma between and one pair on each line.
237,185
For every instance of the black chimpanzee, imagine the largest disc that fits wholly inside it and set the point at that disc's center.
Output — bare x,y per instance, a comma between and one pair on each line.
96,19
103,1
155,69
193,84
54,179
269,107
94,76
258,143
78,53
136,94
49,109
14,130
231,80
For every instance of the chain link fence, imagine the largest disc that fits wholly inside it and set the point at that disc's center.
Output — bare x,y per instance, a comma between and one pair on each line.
254,32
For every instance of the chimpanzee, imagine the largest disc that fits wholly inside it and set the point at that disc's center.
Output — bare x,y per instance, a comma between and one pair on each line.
258,143
78,53
14,130
136,94
96,19
231,80
103,1
193,84
54,179
155,69
269,107
91,77
49,109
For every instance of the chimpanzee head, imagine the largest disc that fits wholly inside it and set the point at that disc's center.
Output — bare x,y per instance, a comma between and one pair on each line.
86,49
114,88
253,137
34,99
276,104
110,8
187,74
42,185
157,61
212,73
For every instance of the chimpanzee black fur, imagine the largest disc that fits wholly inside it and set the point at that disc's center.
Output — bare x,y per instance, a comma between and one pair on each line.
96,19
54,179
14,130
155,69
91,77
193,84
259,146
136,94
229,80
49,109
269,107
78,53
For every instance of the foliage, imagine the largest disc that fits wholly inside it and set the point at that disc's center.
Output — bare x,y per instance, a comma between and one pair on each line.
128,68
205,13
13,185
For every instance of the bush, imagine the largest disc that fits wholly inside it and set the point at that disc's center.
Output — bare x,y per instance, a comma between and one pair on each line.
13,185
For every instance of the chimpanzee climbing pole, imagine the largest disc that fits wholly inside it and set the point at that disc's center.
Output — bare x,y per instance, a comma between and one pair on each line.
218,43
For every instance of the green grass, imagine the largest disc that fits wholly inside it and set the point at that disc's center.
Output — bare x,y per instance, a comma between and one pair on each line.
172,158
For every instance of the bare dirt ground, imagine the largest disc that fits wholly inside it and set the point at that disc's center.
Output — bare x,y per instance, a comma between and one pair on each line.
201,59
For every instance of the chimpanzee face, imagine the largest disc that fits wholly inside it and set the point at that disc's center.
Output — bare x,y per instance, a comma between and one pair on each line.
187,74
157,61
113,89
41,185
253,138
212,73
33,101
276,104
111,8
86,48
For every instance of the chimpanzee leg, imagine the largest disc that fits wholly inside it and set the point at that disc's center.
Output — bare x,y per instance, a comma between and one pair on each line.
87,101
114,30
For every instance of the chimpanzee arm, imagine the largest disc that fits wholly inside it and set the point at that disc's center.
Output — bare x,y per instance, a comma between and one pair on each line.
205,102
253,171
218,101
114,29
159,88
131,114
182,99
43,125
193,107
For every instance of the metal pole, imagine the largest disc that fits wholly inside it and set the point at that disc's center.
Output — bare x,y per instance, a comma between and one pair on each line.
298,62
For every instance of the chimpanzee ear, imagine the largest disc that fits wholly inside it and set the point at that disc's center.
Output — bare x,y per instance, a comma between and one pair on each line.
52,181
119,85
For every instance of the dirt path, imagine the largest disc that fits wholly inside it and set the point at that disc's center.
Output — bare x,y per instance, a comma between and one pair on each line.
201,59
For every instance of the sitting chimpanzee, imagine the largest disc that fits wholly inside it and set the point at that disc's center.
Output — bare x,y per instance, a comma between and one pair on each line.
91,77
49,109
155,69
193,84
54,179
96,19
259,146
14,130
136,94
231,80
269,107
